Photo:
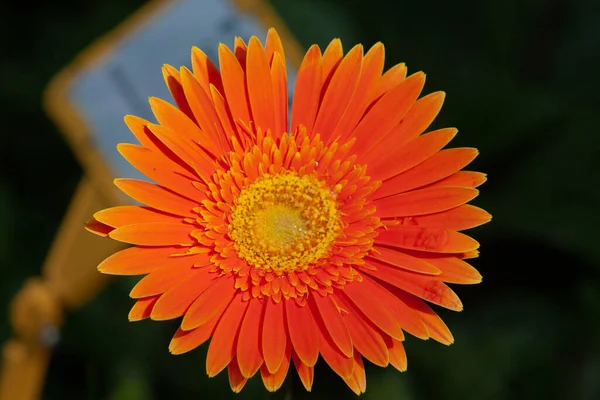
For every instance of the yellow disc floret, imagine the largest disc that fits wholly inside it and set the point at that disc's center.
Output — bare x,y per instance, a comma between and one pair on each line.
284,222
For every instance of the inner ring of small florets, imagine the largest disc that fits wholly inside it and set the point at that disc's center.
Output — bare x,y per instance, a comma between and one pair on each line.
284,222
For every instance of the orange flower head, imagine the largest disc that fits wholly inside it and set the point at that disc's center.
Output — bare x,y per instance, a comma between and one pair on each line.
281,239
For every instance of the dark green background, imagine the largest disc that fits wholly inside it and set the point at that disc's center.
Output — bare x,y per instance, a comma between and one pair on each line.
522,79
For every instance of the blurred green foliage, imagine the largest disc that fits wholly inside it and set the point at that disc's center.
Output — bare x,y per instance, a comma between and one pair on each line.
522,82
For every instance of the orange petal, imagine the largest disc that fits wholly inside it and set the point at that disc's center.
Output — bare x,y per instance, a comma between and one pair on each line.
339,93
205,71
157,197
173,81
402,260
223,113
155,234
273,381
332,57
280,95
404,316
303,332
142,308
389,80
455,270
423,201
434,324
138,126
184,341
210,303
176,300
140,260
127,215
427,287
338,361
236,378
372,68
249,354
174,270
305,372
274,336
441,165
397,354
234,85
358,381
365,336
205,114
361,294
273,45
307,90
459,218
98,228
387,112
223,343
260,88
384,165
426,239
463,179
333,322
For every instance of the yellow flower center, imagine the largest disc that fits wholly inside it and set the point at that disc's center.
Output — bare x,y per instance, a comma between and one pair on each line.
284,222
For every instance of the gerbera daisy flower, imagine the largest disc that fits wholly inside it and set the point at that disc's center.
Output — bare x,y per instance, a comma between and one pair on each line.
281,239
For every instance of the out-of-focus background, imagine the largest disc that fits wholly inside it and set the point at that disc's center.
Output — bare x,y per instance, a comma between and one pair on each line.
522,85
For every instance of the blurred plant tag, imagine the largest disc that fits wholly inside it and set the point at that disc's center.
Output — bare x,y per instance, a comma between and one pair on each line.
115,76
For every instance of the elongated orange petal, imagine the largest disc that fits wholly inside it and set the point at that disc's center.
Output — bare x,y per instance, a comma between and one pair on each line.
426,239
274,337
463,179
205,114
389,80
237,381
441,165
402,260
234,85
358,381
372,67
361,295
176,300
162,279
223,112
142,308
302,331
210,303
223,343
249,355
384,165
333,322
424,286
305,372
366,337
338,361
273,45
273,381
424,201
138,126
307,90
280,95
173,81
127,215
184,341
140,260
339,93
397,354
332,57
455,270
98,228
387,112
155,234
157,197
260,88
459,218
403,315
205,71
434,324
